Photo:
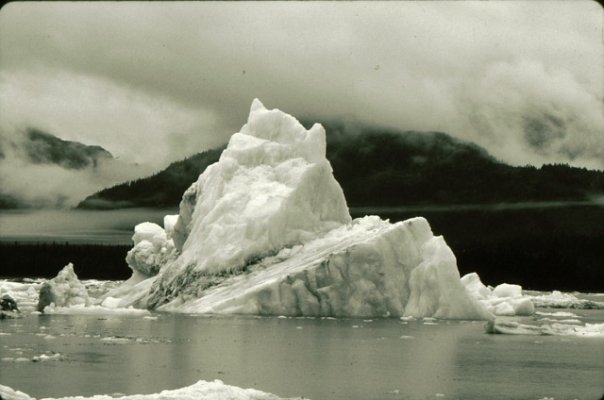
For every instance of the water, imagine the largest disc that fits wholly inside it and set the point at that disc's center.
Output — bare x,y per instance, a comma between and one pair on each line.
76,226
315,358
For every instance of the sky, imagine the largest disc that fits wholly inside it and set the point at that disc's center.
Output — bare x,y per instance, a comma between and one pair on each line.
153,82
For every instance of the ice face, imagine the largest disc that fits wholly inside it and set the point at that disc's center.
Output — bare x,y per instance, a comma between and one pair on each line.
367,268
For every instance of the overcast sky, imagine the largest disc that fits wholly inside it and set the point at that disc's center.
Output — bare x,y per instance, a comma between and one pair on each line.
153,82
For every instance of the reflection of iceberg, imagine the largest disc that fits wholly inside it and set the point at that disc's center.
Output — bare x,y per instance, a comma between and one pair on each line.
215,390
266,230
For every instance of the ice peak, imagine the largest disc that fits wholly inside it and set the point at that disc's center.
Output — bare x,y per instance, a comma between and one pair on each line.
256,106
272,187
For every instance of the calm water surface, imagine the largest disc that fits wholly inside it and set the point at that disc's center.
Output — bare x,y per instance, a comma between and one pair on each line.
315,358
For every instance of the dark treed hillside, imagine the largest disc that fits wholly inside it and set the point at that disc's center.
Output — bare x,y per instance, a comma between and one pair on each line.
379,167
44,148
163,189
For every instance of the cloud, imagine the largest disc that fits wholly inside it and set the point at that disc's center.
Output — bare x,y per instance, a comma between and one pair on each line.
523,79
131,124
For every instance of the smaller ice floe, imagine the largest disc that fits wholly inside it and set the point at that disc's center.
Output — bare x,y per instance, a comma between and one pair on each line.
559,329
215,390
116,340
64,290
557,299
81,309
503,300
561,314
47,356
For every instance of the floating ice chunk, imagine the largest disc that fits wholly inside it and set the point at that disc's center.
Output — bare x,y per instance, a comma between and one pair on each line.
82,309
507,290
215,390
556,328
503,300
557,299
64,290
8,393
557,314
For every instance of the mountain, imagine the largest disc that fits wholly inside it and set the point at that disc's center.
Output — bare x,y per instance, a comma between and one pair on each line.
386,167
44,148
38,169
163,189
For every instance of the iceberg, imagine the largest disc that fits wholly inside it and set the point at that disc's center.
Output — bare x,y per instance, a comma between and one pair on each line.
266,230
64,290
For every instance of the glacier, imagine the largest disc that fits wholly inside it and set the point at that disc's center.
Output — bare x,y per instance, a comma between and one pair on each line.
266,230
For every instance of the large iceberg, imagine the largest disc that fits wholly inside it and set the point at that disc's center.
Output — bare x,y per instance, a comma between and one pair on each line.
266,230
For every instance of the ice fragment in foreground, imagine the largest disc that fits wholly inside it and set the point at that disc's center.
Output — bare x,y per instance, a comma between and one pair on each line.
215,390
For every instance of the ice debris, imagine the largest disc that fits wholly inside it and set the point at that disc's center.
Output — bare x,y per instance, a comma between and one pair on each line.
560,329
557,299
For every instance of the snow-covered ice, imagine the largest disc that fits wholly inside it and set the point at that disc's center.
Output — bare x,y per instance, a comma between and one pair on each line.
215,390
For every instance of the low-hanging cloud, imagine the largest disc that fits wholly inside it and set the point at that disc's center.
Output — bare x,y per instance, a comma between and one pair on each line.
155,80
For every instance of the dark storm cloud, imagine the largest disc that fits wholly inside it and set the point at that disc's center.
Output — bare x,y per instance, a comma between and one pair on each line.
181,76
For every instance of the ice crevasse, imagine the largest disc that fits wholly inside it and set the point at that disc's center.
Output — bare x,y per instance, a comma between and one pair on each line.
266,230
